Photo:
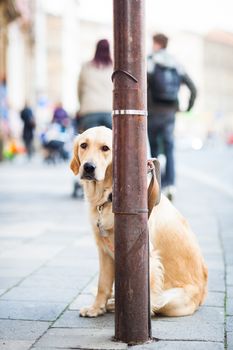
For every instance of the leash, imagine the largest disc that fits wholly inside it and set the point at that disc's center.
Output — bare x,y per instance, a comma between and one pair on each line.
154,189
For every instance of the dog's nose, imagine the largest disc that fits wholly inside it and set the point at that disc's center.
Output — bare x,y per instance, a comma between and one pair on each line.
89,168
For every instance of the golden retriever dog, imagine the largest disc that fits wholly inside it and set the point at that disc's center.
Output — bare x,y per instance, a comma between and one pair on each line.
178,274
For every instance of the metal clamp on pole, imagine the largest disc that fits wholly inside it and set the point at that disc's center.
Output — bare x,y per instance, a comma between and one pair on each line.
130,112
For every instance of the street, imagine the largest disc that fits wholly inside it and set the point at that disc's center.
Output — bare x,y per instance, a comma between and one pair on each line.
49,263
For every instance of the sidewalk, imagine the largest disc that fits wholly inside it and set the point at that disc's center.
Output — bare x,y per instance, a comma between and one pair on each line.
49,266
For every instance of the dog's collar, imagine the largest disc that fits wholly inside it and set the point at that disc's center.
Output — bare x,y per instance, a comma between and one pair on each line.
103,232
101,206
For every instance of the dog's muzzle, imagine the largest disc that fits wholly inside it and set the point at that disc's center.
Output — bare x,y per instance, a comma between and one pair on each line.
89,171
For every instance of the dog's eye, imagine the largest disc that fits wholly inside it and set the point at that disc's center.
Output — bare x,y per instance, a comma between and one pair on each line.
83,145
105,148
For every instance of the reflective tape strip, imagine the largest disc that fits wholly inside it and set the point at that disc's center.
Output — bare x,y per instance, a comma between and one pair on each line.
129,112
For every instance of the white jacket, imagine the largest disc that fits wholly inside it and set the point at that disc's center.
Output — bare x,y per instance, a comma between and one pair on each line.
95,89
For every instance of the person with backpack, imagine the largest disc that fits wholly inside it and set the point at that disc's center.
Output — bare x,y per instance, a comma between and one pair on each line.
165,77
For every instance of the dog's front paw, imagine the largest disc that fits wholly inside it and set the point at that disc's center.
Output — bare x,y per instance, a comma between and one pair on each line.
92,311
111,305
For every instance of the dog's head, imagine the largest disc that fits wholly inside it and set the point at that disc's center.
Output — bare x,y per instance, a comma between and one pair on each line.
92,154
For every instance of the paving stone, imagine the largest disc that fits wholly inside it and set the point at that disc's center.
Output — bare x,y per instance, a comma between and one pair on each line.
229,258
79,339
180,345
216,280
229,306
87,269
30,310
12,263
229,324
15,271
229,340
15,344
230,292
230,275
22,330
207,324
71,319
40,294
8,282
32,251
216,299
82,300
51,282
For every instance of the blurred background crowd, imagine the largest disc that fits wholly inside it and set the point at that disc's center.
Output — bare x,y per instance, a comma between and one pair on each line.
43,45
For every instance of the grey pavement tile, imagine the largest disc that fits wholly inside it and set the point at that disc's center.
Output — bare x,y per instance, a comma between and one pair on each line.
180,345
91,287
229,340
214,257
23,231
40,294
15,271
22,330
82,300
215,299
53,348
213,264
229,306
230,274
15,344
71,319
12,263
81,252
229,324
207,324
32,251
7,244
79,339
230,292
229,257
71,262
8,282
216,280
51,282
87,268
29,310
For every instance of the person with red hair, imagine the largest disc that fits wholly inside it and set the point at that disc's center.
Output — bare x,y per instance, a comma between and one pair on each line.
95,89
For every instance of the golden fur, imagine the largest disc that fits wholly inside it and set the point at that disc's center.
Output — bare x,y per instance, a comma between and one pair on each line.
178,274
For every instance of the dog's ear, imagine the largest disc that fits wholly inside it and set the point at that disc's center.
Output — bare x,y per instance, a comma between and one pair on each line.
75,162
108,174
74,165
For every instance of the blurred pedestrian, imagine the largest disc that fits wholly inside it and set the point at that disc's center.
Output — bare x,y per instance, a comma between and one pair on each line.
4,121
95,95
28,128
95,89
165,76
60,116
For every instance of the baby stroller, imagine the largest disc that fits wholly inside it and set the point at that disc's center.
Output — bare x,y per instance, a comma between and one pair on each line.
54,141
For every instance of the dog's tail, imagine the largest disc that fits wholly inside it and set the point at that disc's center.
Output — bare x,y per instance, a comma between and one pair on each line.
176,301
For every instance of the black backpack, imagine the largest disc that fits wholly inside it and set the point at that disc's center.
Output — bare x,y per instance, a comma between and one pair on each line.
165,83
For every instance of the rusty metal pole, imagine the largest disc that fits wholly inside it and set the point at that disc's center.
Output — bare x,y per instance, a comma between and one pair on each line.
132,311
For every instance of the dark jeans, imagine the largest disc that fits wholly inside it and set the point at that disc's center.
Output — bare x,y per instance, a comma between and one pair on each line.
94,119
29,147
161,137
